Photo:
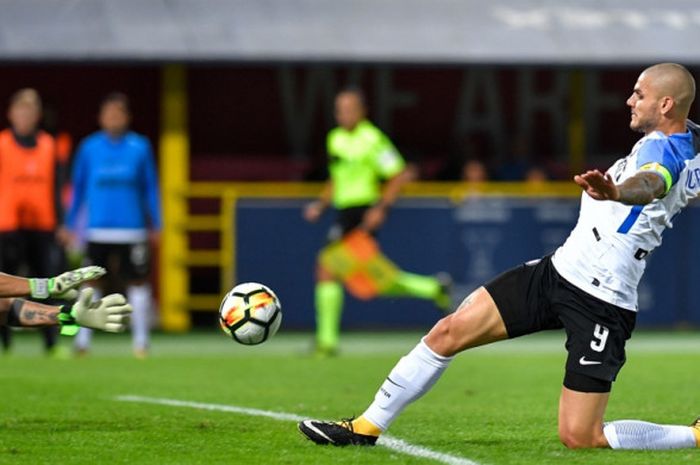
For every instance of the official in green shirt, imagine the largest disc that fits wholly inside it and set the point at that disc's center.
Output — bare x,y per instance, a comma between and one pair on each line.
366,174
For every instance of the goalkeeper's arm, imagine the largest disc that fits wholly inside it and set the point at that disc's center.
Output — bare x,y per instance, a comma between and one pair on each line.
110,313
63,286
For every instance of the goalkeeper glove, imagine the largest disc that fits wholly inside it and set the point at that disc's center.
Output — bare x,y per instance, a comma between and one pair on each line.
64,285
110,313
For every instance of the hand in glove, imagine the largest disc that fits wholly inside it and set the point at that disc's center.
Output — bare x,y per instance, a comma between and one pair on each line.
110,313
64,285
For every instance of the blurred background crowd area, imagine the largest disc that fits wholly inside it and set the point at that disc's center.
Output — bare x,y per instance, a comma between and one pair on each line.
268,122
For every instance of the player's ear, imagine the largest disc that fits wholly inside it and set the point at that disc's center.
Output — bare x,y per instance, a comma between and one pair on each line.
667,105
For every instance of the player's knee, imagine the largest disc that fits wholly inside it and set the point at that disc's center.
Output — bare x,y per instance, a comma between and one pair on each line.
442,338
573,438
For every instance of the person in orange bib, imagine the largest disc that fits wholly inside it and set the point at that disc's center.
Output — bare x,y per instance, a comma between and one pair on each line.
30,209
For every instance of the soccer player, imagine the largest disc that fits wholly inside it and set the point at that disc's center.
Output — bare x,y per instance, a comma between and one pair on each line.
108,314
588,286
360,159
114,176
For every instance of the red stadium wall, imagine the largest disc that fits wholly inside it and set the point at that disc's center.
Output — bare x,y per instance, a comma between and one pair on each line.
269,122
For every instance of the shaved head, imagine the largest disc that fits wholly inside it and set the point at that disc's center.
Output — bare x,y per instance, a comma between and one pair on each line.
661,99
673,80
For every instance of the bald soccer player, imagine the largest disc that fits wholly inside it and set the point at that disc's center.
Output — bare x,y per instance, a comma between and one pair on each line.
588,286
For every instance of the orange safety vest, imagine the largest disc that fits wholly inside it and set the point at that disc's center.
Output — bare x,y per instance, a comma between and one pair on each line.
64,148
27,183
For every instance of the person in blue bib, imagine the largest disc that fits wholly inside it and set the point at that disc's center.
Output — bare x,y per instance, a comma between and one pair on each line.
114,178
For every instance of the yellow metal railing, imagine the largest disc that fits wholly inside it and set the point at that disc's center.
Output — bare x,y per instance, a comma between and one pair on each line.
228,193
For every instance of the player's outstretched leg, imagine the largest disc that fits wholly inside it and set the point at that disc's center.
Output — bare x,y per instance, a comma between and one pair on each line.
443,299
139,295
436,288
635,434
476,322
581,426
329,309
412,377
341,433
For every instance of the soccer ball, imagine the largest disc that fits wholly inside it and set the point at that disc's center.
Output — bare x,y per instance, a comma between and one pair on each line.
250,313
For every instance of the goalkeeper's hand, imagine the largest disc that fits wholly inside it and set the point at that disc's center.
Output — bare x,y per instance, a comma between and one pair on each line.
110,313
64,285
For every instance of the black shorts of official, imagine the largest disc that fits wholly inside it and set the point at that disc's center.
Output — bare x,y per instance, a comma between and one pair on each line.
346,220
124,261
534,297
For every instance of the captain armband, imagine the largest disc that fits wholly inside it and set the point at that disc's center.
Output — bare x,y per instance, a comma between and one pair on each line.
661,170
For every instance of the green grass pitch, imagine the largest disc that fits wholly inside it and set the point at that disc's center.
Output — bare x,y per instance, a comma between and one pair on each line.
493,406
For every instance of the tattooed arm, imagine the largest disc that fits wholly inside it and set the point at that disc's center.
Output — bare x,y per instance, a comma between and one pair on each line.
640,189
20,312
110,313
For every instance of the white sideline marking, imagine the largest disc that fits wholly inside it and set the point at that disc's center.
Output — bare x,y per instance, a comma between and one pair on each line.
398,445
216,407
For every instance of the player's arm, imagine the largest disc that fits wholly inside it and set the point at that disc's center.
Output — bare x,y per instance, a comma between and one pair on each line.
152,190
640,189
658,169
392,187
391,167
13,286
314,210
110,313
63,286
24,313
79,186
375,216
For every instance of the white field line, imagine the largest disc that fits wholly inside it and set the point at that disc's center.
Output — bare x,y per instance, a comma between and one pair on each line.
395,444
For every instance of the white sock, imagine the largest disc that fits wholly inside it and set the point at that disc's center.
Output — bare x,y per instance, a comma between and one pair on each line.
84,336
412,377
634,434
140,299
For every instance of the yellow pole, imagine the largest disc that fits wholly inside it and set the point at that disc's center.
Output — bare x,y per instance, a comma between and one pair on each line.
577,127
174,171
228,240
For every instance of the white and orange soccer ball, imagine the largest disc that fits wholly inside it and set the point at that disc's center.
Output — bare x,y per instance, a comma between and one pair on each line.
250,313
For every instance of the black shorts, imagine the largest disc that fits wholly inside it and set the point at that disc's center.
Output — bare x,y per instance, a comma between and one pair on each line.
37,250
346,220
534,297
125,262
